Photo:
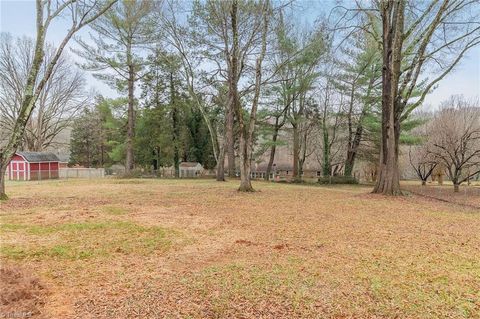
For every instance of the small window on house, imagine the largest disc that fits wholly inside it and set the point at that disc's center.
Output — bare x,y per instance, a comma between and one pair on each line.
318,173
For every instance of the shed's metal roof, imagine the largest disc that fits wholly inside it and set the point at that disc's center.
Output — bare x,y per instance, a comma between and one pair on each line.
64,158
38,157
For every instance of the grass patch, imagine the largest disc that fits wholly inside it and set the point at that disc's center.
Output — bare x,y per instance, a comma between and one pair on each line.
50,229
114,210
422,284
280,284
85,240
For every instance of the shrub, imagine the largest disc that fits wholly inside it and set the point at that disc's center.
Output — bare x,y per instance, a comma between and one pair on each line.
337,180
134,173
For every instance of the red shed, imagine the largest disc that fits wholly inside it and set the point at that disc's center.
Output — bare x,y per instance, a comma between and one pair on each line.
32,166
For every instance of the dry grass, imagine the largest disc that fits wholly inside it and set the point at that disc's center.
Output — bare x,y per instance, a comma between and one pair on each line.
199,249
467,196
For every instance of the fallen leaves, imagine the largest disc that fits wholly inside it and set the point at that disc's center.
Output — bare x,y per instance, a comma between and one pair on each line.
287,251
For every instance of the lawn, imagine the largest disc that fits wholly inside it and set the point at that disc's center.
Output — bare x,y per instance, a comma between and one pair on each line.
117,248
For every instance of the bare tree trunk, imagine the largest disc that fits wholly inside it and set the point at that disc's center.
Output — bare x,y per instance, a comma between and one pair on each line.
301,162
326,151
31,93
230,141
296,152
388,181
303,148
247,129
272,152
129,163
27,104
221,166
3,169
102,154
350,162
352,151
245,145
456,187
220,174
354,144
245,166
234,70
176,134
89,155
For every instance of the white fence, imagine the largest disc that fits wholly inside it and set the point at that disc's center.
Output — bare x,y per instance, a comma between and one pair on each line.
81,172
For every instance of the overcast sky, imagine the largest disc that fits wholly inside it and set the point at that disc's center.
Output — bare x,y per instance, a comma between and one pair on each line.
18,18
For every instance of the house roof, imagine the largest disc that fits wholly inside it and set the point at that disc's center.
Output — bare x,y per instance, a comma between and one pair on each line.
189,164
63,158
38,157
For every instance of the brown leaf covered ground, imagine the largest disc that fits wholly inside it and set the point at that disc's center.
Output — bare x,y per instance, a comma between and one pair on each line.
199,249
467,195
21,295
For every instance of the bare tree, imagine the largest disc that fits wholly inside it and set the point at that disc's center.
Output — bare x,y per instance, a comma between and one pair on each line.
61,98
228,35
80,14
275,120
176,36
245,43
422,162
299,55
213,25
421,159
307,142
456,139
259,23
330,123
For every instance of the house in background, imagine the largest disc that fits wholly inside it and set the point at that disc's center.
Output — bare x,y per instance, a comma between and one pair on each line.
28,166
190,169
284,172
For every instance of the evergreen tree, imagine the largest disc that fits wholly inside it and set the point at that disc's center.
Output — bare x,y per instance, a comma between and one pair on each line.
116,57
170,128
86,143
97,134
